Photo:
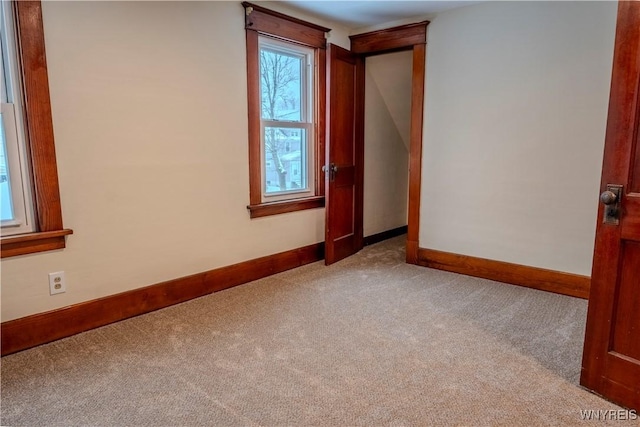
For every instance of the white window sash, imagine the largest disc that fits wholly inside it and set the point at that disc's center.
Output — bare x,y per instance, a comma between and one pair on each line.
16,170
306,123
13,123
308,154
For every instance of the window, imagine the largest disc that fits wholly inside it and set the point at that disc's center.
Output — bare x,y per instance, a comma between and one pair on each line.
286,125
30,212
16,214
286,82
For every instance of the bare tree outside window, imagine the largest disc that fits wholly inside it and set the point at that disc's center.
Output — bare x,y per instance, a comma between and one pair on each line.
282,83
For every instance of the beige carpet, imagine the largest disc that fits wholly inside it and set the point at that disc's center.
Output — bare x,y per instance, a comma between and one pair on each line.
368,341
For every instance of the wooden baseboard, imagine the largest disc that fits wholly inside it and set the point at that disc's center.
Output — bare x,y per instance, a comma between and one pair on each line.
42,328
379,237
531,277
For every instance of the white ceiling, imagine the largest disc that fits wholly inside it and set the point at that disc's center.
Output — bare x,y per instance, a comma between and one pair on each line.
359,14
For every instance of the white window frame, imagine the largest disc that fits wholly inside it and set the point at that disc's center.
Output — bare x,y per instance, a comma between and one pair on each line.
306,123
13,123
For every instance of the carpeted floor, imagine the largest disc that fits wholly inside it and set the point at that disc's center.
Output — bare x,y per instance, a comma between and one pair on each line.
368,341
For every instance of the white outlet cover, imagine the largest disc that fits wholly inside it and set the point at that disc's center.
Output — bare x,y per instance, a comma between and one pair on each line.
57,283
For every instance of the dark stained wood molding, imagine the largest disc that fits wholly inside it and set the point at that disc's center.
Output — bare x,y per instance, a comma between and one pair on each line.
39,128
359,152
266,21
415,150
390,39
407,37
531,277
320,119
276,208
38,114
389,234
33,242
411,250
253,103
42,328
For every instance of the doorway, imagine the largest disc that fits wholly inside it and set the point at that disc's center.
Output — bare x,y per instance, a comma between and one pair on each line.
387,129
340,211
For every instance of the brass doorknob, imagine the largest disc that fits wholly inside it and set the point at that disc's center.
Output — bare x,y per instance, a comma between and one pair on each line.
608,197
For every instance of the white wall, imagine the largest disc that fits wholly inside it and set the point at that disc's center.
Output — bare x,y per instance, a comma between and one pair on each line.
386,141
149,107
516,107
149,110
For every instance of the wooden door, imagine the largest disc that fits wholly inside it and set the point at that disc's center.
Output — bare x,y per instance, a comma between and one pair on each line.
343,168
611,363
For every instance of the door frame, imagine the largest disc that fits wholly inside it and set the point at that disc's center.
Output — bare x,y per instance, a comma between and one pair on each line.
410,37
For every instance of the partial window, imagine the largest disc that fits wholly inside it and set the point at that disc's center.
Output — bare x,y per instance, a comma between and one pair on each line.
16,207
30,211
286,82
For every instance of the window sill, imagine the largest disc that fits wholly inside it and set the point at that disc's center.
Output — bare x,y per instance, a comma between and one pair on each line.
275,208
33,242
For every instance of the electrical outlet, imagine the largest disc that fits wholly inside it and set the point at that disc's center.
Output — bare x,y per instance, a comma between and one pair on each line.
57,284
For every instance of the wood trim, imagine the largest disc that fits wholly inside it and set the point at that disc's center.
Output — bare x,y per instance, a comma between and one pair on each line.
385,235
42,328
38,115
266,21
33,242
390,39
321,117
275,208
359,152
39,128
253,101
415,150
531,277
406,37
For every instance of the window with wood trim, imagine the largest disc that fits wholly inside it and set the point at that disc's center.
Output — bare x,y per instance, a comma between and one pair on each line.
31,211
286,99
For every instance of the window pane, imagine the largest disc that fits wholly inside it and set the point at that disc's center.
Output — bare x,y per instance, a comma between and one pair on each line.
285,155
6,205
281,85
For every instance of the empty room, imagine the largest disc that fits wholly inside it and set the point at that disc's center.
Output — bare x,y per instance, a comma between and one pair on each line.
320,213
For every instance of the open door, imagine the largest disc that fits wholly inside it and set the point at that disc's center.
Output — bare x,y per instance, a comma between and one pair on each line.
343,231
611,363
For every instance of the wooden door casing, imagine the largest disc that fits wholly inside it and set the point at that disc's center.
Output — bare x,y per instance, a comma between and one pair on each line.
410,37
611,361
